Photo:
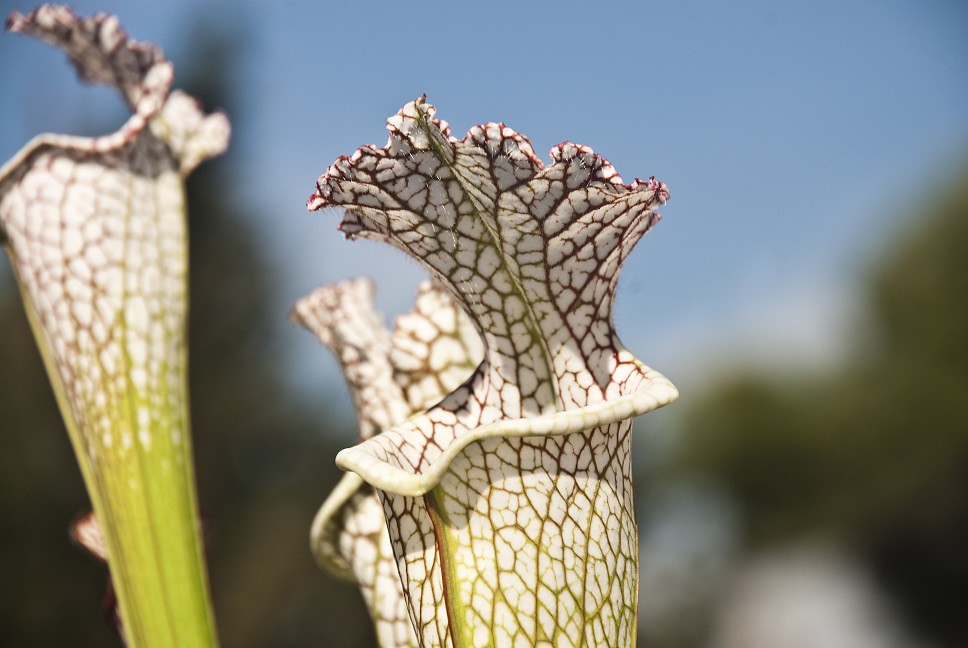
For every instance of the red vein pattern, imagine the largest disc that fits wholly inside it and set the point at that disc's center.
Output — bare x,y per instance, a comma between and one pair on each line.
509,503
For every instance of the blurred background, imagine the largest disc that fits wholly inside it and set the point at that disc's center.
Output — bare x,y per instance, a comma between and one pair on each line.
807,291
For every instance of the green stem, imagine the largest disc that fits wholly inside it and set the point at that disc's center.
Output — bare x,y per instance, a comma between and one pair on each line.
146,503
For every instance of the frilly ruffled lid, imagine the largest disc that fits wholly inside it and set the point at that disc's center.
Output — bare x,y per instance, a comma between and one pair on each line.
532,253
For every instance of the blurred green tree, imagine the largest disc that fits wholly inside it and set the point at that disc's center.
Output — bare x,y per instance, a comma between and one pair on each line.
876,452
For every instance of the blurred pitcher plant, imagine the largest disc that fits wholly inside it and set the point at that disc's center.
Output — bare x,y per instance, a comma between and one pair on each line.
95,229
430,352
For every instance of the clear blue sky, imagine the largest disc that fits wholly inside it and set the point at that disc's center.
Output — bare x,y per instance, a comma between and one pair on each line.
795,137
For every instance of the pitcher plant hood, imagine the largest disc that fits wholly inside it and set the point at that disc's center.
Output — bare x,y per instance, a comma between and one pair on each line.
509,502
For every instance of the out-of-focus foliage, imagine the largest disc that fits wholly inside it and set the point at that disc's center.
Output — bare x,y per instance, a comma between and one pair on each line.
263,456
875,453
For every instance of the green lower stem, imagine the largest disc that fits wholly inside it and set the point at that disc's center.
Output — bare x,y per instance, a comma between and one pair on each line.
146,503
460,634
